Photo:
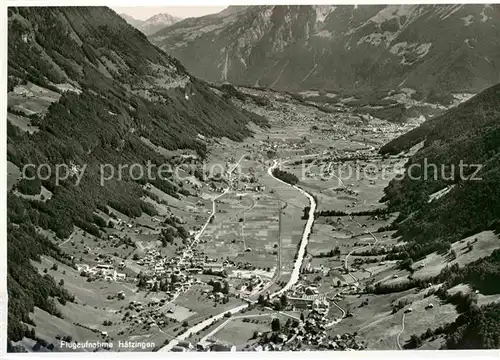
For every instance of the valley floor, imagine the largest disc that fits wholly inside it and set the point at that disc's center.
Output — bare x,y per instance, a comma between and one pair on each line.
219,285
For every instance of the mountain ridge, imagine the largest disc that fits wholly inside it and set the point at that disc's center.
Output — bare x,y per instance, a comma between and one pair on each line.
293,47
151,24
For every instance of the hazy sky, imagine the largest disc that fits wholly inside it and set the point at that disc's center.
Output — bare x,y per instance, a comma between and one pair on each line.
144,12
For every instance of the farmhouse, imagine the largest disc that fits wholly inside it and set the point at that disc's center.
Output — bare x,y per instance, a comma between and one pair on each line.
222,347
304,302
170,308
104,267
119,276
178,349
320,306
214,267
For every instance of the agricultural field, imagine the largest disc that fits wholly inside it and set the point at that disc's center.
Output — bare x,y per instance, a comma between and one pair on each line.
349,185
242,229
22,122
13,175
95,303
379,326
31,99
482,243
239,330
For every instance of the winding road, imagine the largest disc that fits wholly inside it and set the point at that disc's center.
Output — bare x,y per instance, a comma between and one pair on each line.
346,266
368,231
402,329
349,254
294,275
214,199
336,321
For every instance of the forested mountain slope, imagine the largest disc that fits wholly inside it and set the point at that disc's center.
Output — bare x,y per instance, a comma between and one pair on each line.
112,87
469,135
434,49
460,153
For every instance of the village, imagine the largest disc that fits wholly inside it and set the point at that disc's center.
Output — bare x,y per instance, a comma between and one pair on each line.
219,257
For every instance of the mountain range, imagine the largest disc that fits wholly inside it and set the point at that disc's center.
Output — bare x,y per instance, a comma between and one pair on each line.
433,49
85,88
152,24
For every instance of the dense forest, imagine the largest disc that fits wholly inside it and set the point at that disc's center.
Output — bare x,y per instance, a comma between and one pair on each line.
478,328
285,176
327,213
124,94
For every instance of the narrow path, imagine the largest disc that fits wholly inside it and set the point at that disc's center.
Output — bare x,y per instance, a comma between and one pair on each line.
274,311
368,231
187,253
243,222
349,254
346,266
336,321
402,329
202,230
344,313
68,239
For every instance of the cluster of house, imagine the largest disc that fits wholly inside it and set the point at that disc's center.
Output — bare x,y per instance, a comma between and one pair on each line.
215,188
180,268
302,289
312,302
252,187
147,313
122,224
308,335
154,262
104,271
363,124
344,342
199,263
159,267
339,132
184,346
312,334
253,281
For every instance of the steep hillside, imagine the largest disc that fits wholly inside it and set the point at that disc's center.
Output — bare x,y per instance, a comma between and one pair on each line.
452,125
434,49
90,88
467,135
450,192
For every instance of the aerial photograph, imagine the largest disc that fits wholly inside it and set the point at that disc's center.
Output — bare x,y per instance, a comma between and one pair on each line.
252,178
